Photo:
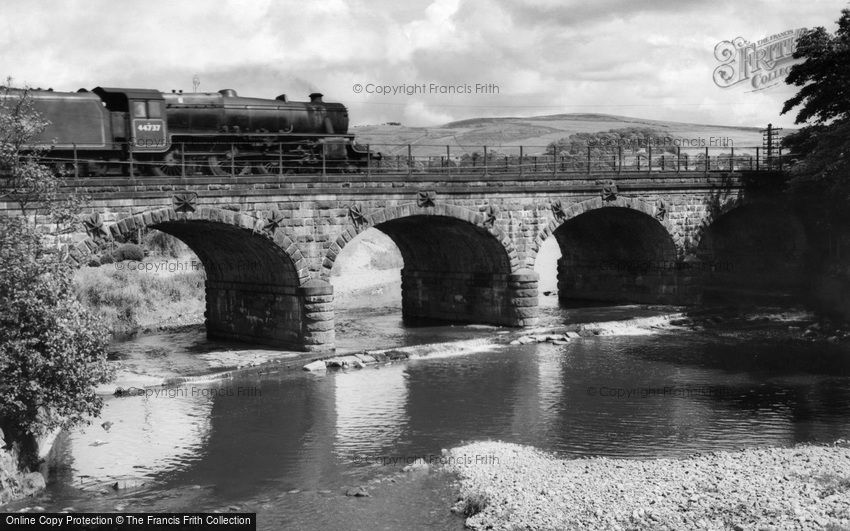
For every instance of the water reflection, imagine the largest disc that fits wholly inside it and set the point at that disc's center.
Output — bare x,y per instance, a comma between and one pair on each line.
371,411
277,430
300,432
145,436
550,391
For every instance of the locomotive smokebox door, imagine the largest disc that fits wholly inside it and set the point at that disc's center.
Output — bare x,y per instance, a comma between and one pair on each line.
148,126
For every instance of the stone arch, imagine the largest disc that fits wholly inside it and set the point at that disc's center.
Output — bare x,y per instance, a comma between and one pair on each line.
258,286
382,216
458,266
587,205
753,250
615,251
240,223
720,210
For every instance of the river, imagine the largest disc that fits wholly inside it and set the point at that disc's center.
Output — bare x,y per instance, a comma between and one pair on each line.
286,444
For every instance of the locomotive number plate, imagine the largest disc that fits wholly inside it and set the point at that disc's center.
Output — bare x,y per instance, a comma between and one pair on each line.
149,135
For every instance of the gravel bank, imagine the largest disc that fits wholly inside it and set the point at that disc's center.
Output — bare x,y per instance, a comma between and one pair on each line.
804,487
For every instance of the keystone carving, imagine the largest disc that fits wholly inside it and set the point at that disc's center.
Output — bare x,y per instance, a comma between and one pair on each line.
184,202
426,198
273,220
490,216
356,215
660,210
558,211
94,226
609,191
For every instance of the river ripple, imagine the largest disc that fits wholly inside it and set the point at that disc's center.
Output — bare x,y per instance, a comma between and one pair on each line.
286,444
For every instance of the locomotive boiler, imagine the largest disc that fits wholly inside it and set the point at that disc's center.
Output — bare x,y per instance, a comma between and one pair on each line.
219,133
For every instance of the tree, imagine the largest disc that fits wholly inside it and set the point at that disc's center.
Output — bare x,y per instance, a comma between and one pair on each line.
23,178
824,75
52,351
820,151
605,147
822,147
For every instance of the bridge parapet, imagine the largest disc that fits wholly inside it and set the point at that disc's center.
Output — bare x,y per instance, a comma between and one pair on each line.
596,156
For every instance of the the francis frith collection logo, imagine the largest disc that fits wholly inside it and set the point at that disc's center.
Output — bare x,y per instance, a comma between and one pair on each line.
764,63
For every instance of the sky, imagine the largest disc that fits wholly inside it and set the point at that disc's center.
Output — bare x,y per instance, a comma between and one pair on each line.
447,59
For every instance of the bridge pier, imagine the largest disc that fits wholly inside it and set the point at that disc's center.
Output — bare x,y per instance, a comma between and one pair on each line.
253,313
317,308
641,282
487,298
282,316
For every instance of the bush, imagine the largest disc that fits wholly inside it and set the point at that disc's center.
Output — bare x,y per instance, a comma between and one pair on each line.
52,350
106,259
129,251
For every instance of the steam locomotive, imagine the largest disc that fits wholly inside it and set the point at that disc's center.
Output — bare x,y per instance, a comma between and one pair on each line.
109,130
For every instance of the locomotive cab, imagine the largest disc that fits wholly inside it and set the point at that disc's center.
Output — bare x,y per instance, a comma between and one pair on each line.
138,117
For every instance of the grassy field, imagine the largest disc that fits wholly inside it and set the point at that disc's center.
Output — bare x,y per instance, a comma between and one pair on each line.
534,133
127,300
128,296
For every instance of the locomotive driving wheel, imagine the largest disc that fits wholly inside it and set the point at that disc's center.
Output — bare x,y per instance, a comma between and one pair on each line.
271,167
170,165
228,163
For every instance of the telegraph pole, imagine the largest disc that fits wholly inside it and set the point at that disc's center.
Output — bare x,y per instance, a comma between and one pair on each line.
770,142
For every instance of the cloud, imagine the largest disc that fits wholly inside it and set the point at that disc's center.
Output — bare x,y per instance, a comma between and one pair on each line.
418,112
612,56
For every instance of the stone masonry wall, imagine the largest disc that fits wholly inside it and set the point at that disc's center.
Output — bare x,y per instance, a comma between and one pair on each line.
311,218
497,299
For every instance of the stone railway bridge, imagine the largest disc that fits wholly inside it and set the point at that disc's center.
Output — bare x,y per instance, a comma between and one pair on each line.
469,242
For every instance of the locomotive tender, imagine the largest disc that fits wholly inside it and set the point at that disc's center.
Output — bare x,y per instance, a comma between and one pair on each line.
169,134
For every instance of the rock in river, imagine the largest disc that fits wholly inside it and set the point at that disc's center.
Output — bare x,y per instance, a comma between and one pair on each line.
318,365
358,492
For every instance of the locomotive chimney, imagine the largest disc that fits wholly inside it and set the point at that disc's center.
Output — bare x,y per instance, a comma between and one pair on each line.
316,97
227,93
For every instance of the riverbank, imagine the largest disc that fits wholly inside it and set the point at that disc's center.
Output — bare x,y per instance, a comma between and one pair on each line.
350,428
181,355
508,486
154,294
166,293
15,483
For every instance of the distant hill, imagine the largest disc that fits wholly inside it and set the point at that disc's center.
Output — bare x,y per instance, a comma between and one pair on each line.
533,133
